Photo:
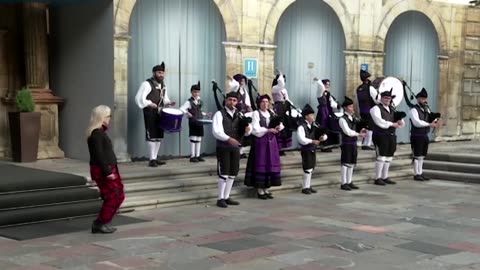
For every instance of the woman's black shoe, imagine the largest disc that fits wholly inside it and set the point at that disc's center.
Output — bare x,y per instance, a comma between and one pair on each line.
262,196
269,195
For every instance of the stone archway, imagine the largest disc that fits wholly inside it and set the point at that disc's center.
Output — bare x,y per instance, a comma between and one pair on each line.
338,6
391,11
122,13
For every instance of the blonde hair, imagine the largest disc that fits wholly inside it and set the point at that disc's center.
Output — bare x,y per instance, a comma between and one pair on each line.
99,113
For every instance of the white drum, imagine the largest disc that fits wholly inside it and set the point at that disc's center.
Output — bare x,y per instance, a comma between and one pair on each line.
383,84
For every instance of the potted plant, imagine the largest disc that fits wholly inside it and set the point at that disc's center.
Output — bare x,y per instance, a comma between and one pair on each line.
24,128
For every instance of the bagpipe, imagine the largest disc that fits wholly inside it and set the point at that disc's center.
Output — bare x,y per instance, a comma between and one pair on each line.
384,84
319,131
361,124
432,116
275,119
244,120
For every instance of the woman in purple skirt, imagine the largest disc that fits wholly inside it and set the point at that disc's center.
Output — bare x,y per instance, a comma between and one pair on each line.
263,165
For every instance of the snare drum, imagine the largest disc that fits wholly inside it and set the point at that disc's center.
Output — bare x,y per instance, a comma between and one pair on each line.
171,120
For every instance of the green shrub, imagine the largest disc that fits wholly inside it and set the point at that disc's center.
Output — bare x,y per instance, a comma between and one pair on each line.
25,102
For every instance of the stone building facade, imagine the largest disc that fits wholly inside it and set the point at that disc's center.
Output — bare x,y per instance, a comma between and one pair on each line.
250,31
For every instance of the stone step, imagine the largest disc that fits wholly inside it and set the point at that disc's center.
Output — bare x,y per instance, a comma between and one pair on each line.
452,166
453,176
141,202
209,168
455,157
205,182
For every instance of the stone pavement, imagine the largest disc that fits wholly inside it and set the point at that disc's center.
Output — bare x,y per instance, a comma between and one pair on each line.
419,226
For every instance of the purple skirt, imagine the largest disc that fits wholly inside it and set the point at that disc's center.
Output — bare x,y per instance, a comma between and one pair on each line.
263,165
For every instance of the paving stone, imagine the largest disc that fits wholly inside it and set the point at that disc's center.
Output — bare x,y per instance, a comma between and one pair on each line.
248,254
465,246
34,267
200,264
428,248
301,233
29,259
301,257
353,247
259,230
182,254
259,264
461,258
236,245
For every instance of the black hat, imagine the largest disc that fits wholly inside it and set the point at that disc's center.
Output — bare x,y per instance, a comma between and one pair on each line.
422,94
324,81
307,110
364,75
387,94
160,67
275,80
232,94
262,97
347,102
195,87
239,77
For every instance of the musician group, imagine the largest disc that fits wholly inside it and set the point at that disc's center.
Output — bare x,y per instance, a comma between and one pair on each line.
242,120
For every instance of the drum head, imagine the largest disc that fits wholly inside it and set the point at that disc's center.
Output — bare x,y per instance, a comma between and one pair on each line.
205,121
339,113
387,83
294,113
172,111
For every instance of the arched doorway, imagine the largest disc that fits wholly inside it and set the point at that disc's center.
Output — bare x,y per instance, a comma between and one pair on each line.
412,50
187,35
311,43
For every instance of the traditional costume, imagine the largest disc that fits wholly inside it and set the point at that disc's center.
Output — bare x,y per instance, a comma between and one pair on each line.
282,107
195,129
419,139
365,102
226,125
243,106
348,125
263,165
306,134
325,115
153,92
384,138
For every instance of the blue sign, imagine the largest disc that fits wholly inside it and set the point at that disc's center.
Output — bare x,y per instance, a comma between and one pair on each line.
364,67
250,68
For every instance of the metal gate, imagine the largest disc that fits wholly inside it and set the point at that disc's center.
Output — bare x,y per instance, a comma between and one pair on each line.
187,35
412,51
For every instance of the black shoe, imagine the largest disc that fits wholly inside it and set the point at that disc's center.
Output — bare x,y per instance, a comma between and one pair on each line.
152,163
424,177
418,177
379,182
262,196
282,153
160,163
328,150
388,181
194,159
200,159
352,186
101,228
231,202
368,148
306,191
312,190
269,195
242,156
345,187
221,203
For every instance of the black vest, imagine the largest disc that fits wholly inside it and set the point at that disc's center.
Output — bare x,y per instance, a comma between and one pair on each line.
309,133
230,127
352,125
195,109
263,120
365,101
156,95
422,115
387,116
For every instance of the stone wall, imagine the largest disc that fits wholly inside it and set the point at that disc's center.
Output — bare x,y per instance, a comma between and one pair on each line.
471,81
251,26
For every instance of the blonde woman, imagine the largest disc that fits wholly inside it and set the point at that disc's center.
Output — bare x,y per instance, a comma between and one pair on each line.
103,168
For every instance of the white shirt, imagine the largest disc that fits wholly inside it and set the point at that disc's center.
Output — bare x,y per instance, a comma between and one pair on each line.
279,90
257,130
141,96
345,128
379,121
187,106
302,138
217,126
235,87
416,119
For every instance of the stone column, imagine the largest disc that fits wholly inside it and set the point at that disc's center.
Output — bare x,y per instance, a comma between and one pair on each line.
353,60
120,109
36,76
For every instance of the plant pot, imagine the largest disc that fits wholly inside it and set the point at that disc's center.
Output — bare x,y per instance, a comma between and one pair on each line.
24,135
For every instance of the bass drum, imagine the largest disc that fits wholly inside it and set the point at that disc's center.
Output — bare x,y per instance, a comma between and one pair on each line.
383,84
